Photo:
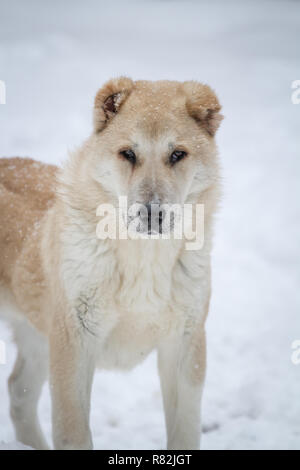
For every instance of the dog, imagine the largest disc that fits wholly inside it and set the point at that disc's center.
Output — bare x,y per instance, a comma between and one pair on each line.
77,302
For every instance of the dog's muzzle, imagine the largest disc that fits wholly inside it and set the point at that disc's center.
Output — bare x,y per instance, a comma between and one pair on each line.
150,218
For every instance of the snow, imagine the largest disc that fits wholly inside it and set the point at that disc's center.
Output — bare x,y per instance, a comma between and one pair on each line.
53,58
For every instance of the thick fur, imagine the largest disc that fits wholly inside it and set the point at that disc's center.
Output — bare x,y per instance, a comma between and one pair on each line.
81,302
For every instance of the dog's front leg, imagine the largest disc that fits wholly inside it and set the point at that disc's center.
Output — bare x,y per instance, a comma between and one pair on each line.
181,361
72,364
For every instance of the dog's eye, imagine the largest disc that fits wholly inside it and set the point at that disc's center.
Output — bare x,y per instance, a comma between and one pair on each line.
129,155
177,156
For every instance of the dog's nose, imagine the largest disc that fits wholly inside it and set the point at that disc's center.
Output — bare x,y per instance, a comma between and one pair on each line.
154,217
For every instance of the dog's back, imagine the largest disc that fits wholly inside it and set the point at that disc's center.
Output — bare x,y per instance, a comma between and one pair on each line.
26,191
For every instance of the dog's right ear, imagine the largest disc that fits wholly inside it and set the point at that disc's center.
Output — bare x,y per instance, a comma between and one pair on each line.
109,99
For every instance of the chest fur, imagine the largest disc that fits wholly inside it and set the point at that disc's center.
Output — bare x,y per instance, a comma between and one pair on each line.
126,279
126,293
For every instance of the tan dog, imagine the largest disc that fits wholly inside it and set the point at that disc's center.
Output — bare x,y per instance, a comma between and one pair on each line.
82,302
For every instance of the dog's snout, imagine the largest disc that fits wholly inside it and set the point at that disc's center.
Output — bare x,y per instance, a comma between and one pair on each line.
152,215
154,210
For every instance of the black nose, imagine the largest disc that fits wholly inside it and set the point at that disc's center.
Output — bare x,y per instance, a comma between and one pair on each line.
155,216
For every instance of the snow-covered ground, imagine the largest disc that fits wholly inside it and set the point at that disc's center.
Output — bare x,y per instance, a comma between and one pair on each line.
53,57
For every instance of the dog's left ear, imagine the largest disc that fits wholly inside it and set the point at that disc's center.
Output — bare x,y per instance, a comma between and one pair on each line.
203,105
109,100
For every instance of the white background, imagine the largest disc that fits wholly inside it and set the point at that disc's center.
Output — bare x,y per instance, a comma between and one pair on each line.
53,57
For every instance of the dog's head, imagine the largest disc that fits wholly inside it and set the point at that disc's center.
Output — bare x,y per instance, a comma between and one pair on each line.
154,143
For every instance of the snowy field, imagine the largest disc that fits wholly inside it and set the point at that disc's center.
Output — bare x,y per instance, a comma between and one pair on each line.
53,58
